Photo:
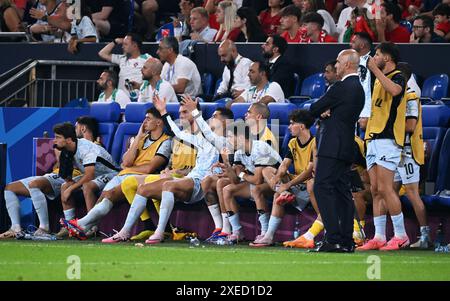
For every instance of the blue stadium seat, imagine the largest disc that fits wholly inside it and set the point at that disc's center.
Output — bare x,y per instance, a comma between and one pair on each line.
435,119
208,108
208,83
107,115
77,103
134,115
217,84
173,110
443,175
239,109
299,100
313,86
307,104
435,87
281,111
407,25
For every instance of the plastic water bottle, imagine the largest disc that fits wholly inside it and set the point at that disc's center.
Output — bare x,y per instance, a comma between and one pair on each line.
296,228
194,242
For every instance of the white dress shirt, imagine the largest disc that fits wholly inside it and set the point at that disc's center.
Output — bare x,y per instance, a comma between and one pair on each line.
241,79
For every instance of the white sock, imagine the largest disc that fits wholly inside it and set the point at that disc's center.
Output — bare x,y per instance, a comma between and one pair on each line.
40,205
425,230
167,203
380,227
308,235
13,207
274,222
235,224
96,213
215,213
264,221
136,209
226,228
69,214
399,225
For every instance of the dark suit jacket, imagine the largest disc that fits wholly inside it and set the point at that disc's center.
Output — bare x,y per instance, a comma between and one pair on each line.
282,72
337,132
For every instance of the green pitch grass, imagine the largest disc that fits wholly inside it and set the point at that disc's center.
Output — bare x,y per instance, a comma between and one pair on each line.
28,260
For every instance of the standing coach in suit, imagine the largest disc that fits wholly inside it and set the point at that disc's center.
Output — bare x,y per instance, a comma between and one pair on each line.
339,108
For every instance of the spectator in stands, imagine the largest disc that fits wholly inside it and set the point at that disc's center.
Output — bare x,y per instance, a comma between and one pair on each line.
110,17
250,28
42,28
423,31
9,18
235,73
345,16
281,71
330,73
441,16
83,29
262,89
360,22
153,84
290,24
200,30
226,15
362,43
130,62
318,6
388,27
313,22
178,70
410,8
271,17
151,7
107,82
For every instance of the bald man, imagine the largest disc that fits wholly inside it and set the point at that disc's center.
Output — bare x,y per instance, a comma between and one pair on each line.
153,84
235,74
339,110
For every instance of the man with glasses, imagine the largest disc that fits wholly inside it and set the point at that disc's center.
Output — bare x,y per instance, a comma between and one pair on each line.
423,31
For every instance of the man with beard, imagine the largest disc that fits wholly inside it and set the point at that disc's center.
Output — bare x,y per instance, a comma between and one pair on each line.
234,77
153,84
281,71
107,82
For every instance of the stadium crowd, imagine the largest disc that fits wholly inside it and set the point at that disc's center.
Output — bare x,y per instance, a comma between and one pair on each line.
222,159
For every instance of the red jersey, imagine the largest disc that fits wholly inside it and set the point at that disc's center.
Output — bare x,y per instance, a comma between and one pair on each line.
406,3
269,24
22,4
398,35
323,38
298,36
444,27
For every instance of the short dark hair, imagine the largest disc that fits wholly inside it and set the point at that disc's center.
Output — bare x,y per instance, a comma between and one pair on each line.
427,22
291,10
332,64
365,37
442,9
112,76
313,17
227,113
302,116
171,42
390,49
394,10
91,123
155,113
263,67
66,129
279,42
405,68
136,38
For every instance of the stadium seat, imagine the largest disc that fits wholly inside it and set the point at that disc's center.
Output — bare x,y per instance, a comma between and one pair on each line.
217,85
107,115
134,115
173,110
313,86
435,87
307,104
299,100
77,103
297,85
208,83
240,109
443,173
208,108
407,25
281,111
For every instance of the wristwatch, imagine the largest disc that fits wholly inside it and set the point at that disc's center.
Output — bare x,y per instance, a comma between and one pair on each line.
241,175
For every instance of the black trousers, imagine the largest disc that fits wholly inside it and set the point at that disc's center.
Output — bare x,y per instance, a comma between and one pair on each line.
334,198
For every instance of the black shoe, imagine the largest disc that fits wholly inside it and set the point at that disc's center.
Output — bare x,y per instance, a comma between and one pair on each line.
326,247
